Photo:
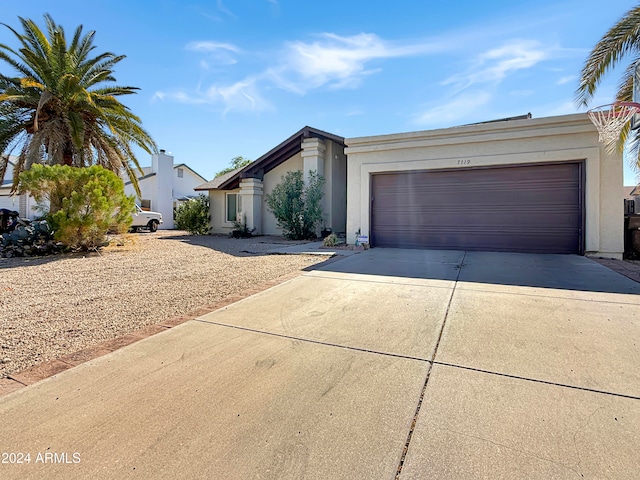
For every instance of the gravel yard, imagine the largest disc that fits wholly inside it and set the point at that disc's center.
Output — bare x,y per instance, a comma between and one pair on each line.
53,306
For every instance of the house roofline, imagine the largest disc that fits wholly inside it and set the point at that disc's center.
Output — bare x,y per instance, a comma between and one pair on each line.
181,165
148,175
215,183
276,156
184,165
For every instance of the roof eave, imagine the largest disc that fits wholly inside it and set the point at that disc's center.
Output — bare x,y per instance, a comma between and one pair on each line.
278,155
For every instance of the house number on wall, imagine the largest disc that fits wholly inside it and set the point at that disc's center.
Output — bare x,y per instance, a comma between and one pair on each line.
466,161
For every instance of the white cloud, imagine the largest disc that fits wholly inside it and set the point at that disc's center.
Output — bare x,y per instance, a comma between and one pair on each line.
567,79
178,96
454,111
218,53
206,46
331,61
336,61
241,96
496,64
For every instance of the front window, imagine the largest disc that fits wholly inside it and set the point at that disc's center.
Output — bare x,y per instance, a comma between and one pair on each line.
234,206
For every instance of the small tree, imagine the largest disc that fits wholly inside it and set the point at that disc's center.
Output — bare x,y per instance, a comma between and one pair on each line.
236,162
193,215
296,206
83,204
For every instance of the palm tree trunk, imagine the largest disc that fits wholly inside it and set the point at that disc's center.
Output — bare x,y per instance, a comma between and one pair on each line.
67,158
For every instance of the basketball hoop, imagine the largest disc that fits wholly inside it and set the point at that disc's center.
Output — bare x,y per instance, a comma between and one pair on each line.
610,119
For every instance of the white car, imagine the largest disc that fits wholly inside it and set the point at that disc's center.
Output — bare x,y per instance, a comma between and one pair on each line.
144,219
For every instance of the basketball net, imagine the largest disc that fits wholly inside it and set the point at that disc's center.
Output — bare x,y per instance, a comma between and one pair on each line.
611,119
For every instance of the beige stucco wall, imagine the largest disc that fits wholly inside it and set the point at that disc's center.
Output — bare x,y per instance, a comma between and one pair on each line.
530,141
217,210
271,179
337,191
327,158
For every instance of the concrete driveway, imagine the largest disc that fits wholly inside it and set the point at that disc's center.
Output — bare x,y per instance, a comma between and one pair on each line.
437,364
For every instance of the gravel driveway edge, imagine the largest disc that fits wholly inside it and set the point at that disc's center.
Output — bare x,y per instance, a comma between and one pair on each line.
36,373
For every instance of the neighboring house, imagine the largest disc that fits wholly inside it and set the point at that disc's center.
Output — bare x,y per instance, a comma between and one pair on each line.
23,204
631,199
532,185
240,194
163,186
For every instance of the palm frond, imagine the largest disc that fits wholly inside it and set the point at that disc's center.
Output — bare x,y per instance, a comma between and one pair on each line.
63,107
623,38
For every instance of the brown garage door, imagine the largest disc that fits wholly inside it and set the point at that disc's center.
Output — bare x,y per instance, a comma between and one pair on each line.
515,209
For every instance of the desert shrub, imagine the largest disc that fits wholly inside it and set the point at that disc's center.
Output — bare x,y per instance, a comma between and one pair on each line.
296,206
241,230
330,240
193,215
83,204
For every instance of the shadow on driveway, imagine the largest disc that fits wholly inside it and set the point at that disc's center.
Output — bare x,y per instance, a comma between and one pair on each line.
566,272
239,247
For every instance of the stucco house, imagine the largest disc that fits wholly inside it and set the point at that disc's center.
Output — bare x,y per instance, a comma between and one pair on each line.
240,194
24,204
163,186
541,185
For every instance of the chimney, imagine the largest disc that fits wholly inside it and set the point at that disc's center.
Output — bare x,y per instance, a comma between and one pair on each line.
162,199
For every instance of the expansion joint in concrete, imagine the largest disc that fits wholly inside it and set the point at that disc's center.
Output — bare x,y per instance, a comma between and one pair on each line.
429,368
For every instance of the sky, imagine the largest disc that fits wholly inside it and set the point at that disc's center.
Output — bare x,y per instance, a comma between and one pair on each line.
226,78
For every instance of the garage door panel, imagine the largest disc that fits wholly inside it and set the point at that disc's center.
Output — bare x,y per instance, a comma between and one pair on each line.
485,241
532,209
476,218
566,195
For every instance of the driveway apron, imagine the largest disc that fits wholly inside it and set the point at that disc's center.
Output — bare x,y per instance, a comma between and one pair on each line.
421,364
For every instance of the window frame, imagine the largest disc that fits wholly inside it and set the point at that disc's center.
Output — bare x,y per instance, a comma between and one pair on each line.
238,202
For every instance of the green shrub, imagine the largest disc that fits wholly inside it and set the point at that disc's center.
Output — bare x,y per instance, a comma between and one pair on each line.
296,206
83,204
193,215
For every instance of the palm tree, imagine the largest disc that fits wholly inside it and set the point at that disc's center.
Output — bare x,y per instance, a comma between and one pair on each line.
620,42
59,110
